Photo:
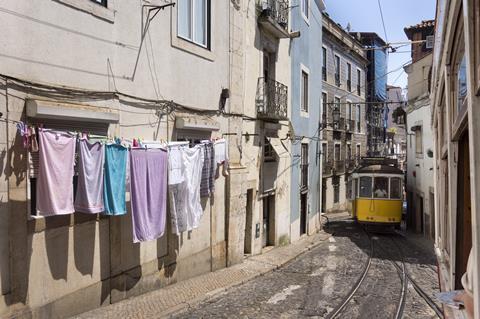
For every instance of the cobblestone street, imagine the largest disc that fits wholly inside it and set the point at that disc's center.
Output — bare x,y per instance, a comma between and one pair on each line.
315,284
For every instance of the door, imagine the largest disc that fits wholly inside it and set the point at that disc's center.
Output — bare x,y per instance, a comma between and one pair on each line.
464,213
248,223
268,223
303,213
324,195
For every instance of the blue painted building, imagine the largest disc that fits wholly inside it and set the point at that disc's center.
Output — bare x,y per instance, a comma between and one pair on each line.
306,88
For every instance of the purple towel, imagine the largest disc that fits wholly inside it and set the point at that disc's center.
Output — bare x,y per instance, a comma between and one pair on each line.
89,197
148,183
55,175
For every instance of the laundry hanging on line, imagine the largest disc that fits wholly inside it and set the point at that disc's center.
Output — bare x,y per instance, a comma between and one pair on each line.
148,188
102,179
89,195
56,170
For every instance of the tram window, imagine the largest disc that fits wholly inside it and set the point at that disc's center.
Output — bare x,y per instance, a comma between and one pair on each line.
365,186
355,188
395,188
380,187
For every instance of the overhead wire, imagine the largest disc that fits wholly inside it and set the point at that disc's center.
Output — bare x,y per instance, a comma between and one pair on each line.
383,21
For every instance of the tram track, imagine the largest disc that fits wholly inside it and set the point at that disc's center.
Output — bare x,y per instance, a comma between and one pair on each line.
338,310
415,285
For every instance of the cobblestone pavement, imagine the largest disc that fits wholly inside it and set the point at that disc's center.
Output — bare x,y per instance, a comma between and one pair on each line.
317,282
314,284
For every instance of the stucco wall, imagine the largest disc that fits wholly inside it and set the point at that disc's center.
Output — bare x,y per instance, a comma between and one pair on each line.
76,260
306,54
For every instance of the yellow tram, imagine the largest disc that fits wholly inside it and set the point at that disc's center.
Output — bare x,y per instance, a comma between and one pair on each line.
376,195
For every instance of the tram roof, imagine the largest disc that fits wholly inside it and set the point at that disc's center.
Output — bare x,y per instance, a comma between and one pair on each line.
382,169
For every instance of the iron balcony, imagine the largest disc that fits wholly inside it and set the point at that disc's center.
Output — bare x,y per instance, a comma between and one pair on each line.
272,100
274,17
327,168
339,167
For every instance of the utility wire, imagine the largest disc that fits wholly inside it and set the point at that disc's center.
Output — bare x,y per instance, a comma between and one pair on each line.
383,21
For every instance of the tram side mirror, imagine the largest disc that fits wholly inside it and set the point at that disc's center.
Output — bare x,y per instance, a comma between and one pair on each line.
430,153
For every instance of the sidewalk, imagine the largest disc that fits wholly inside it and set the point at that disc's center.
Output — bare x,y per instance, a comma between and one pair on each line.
179,296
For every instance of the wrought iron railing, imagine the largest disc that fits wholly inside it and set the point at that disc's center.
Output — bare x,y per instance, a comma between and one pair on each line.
272,99
349,125
327,167
339,167
277,10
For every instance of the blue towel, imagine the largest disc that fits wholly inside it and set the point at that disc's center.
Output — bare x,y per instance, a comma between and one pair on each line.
115,179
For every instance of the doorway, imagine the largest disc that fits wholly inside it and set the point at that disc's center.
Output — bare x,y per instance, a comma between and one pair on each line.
464,213
303,213
248,223
268,222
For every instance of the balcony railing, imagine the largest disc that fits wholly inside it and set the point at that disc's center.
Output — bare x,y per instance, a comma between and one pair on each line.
349,125
351,164
339,125
339,167
272,99
274,17
327,168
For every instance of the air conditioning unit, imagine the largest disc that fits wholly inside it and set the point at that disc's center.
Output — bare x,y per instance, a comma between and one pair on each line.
430,41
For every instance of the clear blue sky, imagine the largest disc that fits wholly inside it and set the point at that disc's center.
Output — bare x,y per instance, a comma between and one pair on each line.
364,15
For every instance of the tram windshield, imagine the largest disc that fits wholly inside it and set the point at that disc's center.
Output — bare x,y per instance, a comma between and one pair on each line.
380,187
366,186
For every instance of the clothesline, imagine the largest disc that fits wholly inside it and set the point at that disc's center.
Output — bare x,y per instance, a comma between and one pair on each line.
106,171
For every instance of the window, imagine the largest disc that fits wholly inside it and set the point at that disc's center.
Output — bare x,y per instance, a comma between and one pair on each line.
349,77
355,188
324,63
395,188
349,151
337,70
462,85
304,93
359,118
358,152
349,110
324,108
305,8
418,141
336,154
337,102
359,80
380,187
194,21
101,2
269,154
304,166
365,187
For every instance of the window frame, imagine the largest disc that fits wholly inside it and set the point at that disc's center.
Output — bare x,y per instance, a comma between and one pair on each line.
324,63
304,89
304,165
349,77
419,141
360,187
400,196
359,84
207,33
338,70
305,9
358,118
374,188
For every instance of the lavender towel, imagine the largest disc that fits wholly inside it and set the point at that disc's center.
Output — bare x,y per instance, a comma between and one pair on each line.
89,196
55,175
148,183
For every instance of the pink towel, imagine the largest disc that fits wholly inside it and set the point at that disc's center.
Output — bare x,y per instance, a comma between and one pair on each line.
55,176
